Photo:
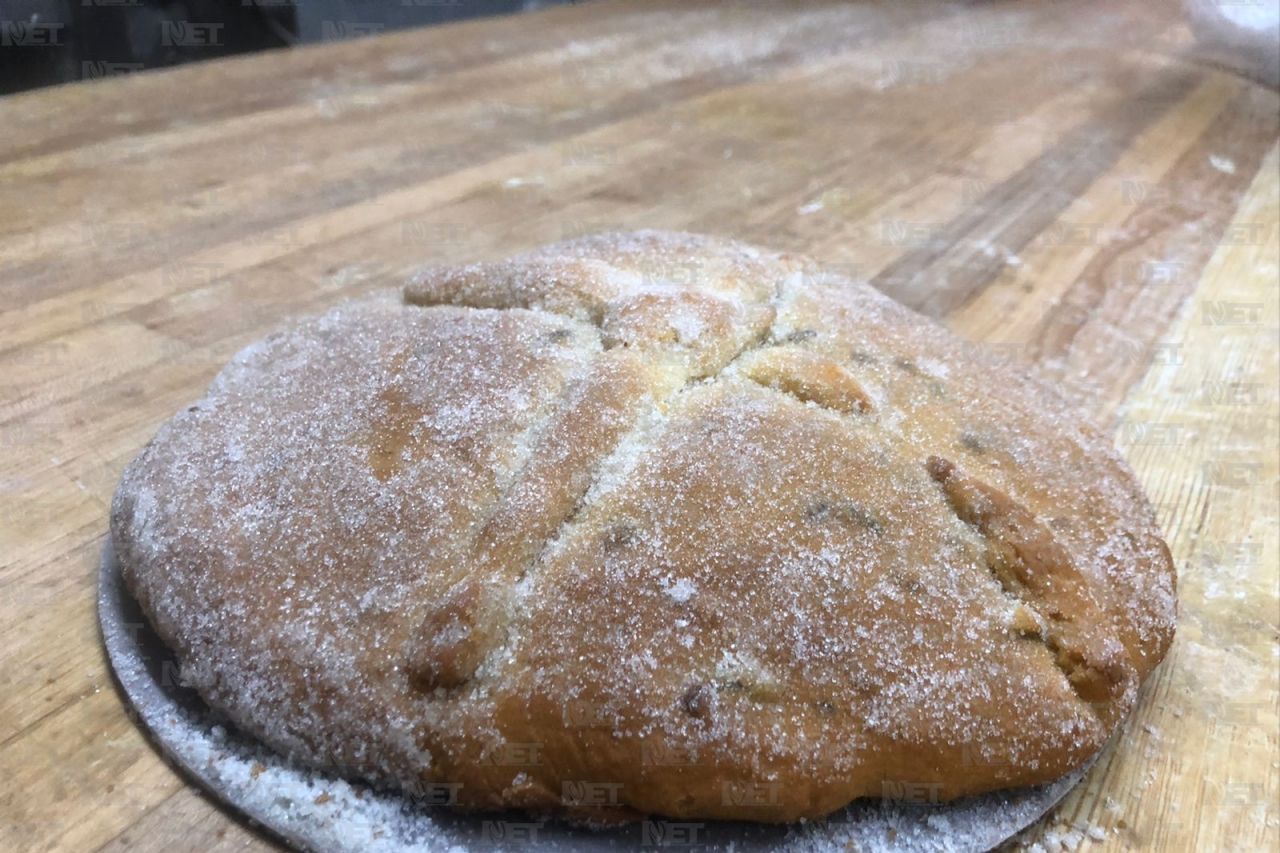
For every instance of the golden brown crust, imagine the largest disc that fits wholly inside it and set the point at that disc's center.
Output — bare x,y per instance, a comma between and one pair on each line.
648,523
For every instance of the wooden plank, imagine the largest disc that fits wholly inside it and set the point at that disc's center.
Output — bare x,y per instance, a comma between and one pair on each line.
1198,758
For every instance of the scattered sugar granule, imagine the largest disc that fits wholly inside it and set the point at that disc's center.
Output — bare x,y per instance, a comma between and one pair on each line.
688,326
681,590
1223,164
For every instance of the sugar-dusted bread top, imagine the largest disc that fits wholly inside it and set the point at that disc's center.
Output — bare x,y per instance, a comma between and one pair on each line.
648,523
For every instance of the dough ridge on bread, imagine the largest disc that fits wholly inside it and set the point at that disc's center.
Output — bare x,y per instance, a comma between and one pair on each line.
648,523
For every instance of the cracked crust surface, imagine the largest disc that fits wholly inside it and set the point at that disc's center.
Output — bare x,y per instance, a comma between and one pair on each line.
648,523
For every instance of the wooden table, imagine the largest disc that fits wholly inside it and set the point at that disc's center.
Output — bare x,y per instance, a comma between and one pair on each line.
1064,180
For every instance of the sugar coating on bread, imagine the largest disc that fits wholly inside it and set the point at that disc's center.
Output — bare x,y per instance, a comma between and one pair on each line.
648,523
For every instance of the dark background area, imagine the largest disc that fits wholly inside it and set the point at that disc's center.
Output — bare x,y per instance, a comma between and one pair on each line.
43,42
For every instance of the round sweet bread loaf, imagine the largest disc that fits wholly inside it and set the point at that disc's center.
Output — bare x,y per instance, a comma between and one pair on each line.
648,523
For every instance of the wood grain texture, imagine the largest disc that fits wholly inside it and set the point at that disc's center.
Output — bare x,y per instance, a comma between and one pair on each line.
1062,180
